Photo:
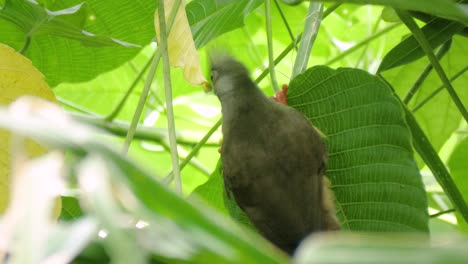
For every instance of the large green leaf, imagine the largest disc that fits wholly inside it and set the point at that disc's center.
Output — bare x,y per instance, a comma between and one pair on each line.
76,40
34,20
65,57
437,32
375,179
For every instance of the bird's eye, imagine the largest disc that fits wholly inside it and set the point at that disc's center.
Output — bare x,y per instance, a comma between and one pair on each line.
214,76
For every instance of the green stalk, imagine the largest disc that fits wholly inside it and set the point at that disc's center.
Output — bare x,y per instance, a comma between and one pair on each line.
285,21
141,103
124,98
362,43
271,63
168,90
422,77
154,134
364,51
311,28
195,150
146,89
431,158
439,89
419,36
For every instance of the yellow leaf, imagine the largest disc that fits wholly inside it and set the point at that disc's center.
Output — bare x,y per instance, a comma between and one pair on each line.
18,77
181,48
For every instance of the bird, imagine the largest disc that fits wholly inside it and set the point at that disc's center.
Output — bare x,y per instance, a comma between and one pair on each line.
273,160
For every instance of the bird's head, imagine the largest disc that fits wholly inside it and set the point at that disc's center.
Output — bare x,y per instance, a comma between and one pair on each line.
228,75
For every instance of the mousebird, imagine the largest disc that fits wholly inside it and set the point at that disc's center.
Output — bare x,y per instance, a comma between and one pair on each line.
273,160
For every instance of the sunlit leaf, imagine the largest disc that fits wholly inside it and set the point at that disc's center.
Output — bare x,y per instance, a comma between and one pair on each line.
181,47
437,32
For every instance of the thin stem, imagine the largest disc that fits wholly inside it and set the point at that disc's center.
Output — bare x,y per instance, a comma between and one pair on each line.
141,103
364,51
362,43
195,150
154,134
271,64
293,44
329,10
168,91
146,87
311,28
419,36
427,152
422,77
79,108
438,90
182,155
442,213
25,47
285,21
124,98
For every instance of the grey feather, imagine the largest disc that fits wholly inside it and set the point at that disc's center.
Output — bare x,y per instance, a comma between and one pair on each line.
273,159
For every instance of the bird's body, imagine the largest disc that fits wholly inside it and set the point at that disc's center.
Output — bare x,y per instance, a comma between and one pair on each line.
273,159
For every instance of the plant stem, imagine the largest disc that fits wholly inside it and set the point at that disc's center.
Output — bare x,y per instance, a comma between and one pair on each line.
422,77
141,103
285,21
146,89
157,135
442,213
364,51
168,89
271,64
427,152
438,90
192,153
419,36
124,98
362,43
311,28
79,108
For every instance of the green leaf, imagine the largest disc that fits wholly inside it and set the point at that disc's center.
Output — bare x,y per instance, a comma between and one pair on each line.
214,194
70,208
209,19
443,8
35,20
57,49
64,51
437,32
371,166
